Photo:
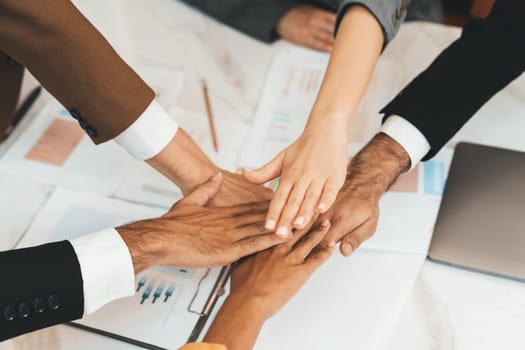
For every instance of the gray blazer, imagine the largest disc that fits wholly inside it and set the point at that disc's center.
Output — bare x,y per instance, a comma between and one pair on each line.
258,18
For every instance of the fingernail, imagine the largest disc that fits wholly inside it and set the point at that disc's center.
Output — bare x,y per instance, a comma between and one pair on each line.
321,206
325,223
282,231
270,224
347,249
299,221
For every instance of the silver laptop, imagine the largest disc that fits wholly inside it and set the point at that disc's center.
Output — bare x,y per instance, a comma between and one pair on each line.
481,221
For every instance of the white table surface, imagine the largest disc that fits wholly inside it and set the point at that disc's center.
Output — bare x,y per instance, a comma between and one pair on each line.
447,309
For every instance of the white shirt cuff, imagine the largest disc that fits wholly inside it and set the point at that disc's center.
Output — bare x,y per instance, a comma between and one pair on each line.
149,134
408,136
106,266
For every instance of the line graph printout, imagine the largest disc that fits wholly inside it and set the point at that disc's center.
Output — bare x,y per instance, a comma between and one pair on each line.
158,311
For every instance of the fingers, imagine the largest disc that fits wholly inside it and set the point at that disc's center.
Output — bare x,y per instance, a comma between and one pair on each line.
305,246
329,19
291,208
309,206
322,31
354,239
266,173
318,44
276,206
203,193
243,209
318,257
252,230
328,197
340,227
252,245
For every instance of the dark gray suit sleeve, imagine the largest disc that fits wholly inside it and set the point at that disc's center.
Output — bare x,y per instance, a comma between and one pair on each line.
256,18
389,13
41,287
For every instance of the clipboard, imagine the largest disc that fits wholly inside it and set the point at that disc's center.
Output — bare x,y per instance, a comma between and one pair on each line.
216,293
171,306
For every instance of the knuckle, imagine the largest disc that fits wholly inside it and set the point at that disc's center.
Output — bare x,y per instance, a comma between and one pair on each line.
352,240
312,196
330,191
281,249
250,245
281,195
294,201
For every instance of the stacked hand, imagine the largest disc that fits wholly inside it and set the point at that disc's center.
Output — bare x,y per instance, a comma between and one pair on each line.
191,235
312,171
262,284
355,213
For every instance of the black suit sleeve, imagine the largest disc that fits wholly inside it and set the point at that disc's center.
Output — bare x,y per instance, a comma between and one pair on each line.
41,286
256,18
489,54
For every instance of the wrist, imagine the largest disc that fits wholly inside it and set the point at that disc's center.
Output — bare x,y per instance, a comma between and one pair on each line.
183,163
250,304
376,167
327,130
329,118
145,251
237,324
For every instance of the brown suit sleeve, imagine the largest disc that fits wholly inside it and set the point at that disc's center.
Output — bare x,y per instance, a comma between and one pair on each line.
10,81
74,62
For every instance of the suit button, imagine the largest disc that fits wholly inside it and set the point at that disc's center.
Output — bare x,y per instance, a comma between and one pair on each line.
11,61
39,305
91,132
9,313
53,302
23,310
83,124
75,114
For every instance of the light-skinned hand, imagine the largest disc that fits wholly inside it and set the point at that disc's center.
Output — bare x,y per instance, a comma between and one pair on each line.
312,171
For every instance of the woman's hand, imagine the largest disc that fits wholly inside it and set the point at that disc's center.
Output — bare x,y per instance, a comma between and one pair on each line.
312,171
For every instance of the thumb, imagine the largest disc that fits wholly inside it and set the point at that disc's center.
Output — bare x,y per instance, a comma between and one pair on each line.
266,173
203,193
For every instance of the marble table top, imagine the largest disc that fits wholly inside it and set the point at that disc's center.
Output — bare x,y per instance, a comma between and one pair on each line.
448,308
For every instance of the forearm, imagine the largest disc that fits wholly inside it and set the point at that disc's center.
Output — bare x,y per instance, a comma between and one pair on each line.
352,62
183,163
237,324
87,76
377,166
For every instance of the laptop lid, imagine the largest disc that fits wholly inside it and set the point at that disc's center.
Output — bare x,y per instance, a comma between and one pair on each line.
481,220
